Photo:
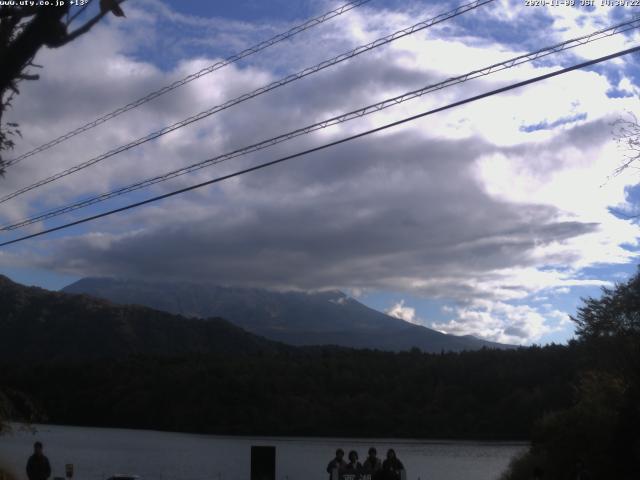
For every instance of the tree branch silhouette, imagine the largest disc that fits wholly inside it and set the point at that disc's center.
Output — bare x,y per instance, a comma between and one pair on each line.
24,30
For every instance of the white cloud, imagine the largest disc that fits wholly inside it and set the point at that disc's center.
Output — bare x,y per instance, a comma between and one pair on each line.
503,322
406,313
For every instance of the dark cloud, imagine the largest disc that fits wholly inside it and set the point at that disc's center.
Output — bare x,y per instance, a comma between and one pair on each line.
360,216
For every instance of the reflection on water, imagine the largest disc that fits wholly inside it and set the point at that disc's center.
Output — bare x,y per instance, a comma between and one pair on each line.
98,453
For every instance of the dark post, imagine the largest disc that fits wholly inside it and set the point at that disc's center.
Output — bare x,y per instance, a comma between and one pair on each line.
263,463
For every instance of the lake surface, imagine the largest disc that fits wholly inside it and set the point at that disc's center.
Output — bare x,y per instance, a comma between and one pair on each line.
100,452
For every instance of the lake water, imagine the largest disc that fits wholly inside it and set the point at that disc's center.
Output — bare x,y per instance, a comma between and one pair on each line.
100,452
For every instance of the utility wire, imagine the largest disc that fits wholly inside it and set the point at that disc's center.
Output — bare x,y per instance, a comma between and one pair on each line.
619,28
330,144
272,86
189,78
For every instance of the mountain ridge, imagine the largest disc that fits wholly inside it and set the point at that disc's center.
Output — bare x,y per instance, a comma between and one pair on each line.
38,324
293,317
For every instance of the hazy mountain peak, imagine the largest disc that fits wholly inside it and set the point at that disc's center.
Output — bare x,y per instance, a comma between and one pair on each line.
294,317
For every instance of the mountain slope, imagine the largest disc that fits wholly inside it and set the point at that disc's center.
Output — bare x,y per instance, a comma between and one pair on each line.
37,324
296,318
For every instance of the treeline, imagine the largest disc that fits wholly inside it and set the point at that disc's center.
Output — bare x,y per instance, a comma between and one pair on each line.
488,394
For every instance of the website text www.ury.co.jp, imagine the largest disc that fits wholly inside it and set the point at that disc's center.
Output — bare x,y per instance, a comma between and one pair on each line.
42,3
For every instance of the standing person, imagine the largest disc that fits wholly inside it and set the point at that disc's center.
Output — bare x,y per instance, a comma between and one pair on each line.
354,466
336,464
392,468
38,467
372,465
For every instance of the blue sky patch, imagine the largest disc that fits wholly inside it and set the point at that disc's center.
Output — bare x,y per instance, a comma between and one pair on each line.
546,125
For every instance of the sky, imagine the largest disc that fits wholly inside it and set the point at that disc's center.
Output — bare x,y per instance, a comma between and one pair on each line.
493,219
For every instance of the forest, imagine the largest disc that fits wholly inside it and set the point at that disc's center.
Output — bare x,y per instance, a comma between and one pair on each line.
314,391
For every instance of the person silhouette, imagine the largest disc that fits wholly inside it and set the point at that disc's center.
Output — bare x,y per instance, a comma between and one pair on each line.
392,468
372,465
353,465
38,467
336,464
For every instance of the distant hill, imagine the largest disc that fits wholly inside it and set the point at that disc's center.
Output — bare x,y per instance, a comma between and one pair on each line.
295,318
37,324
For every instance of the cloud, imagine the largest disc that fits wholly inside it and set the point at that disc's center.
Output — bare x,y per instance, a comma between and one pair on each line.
467,206
503,322
408,314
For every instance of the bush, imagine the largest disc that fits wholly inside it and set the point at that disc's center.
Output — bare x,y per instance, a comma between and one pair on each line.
525,465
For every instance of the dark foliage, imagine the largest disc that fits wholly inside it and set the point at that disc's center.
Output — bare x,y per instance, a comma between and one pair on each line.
312,391
598,434
615,314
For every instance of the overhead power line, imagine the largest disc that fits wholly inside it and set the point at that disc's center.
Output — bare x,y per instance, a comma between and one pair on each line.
272,86
194,76
583,40
328,145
